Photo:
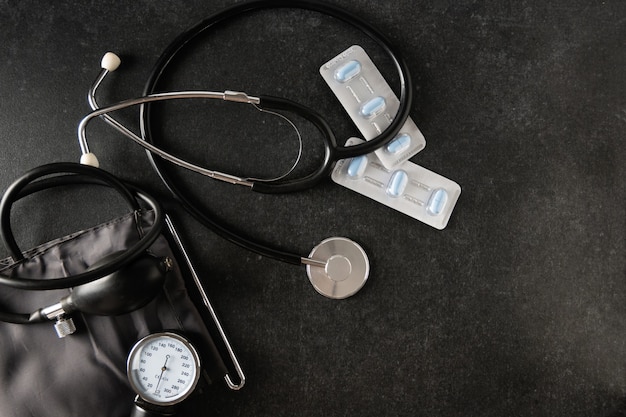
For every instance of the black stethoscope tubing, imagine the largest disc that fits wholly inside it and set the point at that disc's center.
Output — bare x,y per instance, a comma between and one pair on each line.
333,151
339,151
228,232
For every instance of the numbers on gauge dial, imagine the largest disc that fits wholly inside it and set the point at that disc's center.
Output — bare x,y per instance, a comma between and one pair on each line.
163,368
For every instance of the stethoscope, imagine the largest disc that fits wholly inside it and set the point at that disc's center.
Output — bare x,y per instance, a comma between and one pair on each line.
337,267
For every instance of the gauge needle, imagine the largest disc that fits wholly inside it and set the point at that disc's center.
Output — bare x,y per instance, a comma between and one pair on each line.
163,369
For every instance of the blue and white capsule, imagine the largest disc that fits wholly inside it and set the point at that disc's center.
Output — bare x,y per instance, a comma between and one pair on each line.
357,166
397,183
348,71
437,202
373,107
399,144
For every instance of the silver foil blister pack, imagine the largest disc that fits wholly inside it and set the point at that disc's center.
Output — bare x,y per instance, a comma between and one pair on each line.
407,188
371,103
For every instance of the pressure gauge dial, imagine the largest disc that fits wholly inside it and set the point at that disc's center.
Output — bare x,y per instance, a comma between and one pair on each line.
163,368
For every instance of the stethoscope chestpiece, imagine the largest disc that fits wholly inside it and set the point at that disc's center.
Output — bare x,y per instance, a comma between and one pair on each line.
346,268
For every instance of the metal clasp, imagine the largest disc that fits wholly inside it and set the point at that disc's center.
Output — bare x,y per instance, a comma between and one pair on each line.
240,97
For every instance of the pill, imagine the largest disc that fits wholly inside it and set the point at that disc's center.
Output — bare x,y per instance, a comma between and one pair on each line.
357,166
397,183
437,202
399,144
373,107
347,71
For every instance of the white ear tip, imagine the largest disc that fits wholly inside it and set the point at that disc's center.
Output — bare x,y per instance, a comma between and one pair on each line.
110,61
89,159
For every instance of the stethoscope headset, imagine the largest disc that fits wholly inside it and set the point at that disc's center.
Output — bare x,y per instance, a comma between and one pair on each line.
337,267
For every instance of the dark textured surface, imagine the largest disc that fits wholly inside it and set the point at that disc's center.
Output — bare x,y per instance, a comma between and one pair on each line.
517,308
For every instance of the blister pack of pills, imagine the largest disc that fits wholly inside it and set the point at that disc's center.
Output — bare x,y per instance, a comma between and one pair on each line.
408,188
371,103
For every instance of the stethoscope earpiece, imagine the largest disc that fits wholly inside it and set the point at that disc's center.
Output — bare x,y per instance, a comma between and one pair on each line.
89,159
110,61
344,269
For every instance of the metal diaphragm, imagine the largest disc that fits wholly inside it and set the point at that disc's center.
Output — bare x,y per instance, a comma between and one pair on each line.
346,268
